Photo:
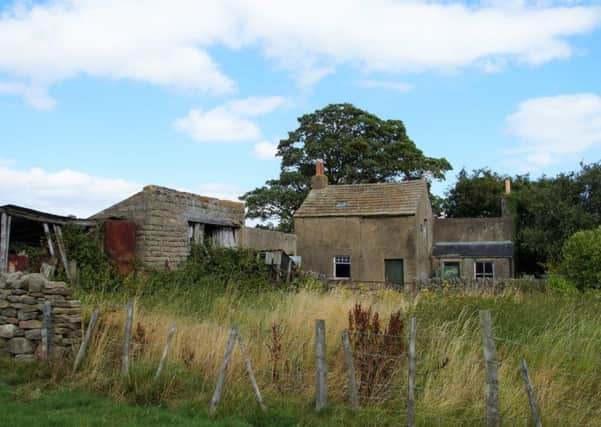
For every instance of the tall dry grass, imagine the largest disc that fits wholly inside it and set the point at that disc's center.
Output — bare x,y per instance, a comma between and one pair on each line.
560,337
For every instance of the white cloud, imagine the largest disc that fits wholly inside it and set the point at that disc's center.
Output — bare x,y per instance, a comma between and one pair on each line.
167,42
220,191
388,85
37,97
553,128
227,123
256,105
265,150
66,192
217,125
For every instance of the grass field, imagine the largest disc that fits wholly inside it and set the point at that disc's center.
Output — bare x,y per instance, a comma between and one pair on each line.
559,336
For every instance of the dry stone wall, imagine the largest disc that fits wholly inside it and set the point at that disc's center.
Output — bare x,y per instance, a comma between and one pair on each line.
22,299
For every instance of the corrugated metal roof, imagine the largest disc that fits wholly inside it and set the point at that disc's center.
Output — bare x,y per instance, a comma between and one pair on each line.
399,198
502,249
34,215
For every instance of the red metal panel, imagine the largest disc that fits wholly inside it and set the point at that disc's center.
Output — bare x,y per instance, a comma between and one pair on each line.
17,263
120,244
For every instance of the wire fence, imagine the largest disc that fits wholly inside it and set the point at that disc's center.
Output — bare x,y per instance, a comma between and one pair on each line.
445,375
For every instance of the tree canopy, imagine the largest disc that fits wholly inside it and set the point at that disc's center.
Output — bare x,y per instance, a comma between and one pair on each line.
546,210
355,147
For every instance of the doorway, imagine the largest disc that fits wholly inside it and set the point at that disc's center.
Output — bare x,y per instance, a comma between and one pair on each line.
394,273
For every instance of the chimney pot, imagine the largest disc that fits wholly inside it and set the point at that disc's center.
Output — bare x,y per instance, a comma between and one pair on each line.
319,180
319,168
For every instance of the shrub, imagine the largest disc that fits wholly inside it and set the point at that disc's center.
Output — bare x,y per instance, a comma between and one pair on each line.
581,259
378,353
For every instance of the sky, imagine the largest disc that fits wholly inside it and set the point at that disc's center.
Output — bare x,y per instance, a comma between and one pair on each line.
101,97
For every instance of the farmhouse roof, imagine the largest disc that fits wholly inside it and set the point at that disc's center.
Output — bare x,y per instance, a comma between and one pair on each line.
502,249
383,199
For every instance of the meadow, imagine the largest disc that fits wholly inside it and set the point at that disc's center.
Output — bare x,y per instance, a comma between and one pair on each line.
558,335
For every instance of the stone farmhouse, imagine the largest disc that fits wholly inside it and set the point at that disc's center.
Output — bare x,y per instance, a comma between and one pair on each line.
386,234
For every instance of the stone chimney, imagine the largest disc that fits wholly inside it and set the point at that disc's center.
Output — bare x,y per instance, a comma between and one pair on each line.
319,180
504,209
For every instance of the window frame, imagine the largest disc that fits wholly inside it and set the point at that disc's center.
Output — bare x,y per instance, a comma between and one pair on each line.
484,275
451,261
335,263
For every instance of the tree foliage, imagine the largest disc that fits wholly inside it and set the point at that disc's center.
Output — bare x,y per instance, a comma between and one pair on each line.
546,210
581,259
355,146
475,195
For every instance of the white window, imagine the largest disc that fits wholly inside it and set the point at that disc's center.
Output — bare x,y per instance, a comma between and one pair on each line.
342,267
484,270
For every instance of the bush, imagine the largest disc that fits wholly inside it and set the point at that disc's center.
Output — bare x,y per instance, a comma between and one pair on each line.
581,259
95,270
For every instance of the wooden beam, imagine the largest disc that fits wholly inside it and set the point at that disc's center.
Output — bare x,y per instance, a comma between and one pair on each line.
4,241
49,239
61,248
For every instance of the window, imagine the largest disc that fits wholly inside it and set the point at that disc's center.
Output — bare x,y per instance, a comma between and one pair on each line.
450,270
484,270
341,204
342,267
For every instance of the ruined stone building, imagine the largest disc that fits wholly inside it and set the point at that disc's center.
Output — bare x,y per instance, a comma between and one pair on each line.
158,226
386,234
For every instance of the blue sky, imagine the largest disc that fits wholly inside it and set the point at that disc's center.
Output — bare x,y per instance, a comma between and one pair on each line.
98,98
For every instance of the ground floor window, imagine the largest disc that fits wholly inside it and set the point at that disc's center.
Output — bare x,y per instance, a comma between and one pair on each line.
484,270
342,267
450,270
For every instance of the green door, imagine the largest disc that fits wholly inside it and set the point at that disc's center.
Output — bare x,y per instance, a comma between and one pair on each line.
393,272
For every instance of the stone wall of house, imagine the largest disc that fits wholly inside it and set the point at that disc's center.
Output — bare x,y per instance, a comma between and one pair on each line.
162,218
267,240
473,229
503,267
22,297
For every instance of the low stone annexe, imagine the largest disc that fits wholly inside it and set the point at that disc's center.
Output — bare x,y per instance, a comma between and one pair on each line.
22,297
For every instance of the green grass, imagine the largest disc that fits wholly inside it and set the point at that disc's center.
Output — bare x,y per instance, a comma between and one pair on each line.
65,407
558,335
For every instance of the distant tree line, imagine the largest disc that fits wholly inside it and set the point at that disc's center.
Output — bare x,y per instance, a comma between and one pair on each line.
546,210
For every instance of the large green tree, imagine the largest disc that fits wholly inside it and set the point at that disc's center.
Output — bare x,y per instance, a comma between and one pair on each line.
355,146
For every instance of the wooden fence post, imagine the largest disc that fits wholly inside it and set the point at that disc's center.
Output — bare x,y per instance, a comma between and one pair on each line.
221,378
321,383
493,418
85,342
531,396
251,375
127,339
350,370
46,329
411,369
165,351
